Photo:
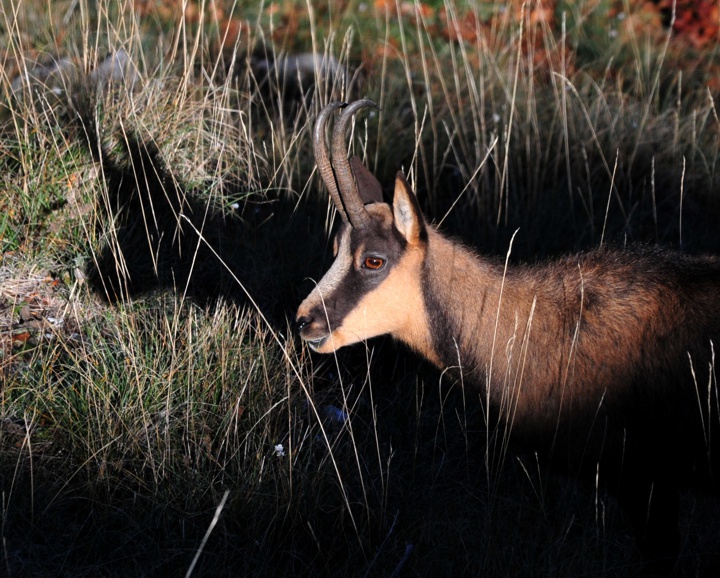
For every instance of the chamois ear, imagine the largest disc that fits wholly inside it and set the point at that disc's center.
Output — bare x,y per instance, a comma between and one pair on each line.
406,212
369,187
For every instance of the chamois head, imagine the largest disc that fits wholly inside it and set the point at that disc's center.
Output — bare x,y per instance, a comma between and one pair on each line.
374,285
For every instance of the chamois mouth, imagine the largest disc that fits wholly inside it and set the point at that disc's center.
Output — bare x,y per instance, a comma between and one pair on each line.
316,344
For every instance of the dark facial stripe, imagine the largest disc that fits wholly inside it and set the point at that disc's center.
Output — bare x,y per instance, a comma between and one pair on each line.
381,239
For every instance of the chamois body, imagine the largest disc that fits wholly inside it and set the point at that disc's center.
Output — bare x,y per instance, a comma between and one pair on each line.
607,341
602,362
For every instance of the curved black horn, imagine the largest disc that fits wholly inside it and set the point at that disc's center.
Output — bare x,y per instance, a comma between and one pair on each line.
354,207
322,158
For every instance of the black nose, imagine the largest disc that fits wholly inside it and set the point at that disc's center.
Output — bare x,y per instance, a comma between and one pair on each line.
302,322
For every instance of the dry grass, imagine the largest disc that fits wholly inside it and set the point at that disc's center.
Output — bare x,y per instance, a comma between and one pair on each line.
148,272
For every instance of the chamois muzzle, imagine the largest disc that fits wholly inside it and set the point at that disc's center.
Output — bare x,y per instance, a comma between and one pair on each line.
337,174
313,330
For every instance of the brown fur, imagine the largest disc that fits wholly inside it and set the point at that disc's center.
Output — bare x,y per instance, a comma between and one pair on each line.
602,363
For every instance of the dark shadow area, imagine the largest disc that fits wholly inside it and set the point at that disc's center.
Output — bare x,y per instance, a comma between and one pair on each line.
553,224
627,188
414,472
162,235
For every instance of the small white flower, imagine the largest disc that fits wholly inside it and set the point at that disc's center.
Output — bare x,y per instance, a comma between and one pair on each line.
279,451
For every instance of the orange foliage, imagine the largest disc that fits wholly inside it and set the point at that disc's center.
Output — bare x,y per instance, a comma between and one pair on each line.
230,29
166,10
696,24
696,20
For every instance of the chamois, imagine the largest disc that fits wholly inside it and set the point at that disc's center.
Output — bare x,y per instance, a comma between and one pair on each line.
602,362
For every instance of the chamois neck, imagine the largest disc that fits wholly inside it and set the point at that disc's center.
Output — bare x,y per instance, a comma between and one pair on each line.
463,292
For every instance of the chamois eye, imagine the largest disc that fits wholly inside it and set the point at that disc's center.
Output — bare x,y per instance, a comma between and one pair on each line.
374,263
